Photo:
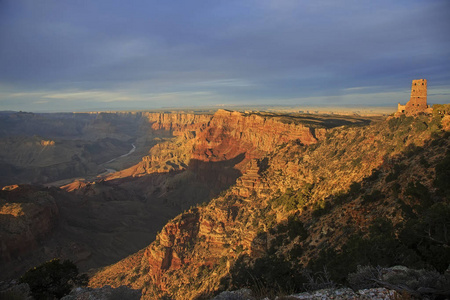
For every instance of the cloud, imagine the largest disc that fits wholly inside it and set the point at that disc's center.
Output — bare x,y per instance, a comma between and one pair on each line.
239,51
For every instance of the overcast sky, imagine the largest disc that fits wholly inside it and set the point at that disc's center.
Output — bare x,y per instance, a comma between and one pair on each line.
78,55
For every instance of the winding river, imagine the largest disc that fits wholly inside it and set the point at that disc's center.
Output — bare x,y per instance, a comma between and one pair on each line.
123,155
109,170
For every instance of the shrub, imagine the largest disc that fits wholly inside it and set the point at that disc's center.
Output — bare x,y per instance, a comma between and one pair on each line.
423,161
292,200
412,150
53,279
295,228
397,123
428,235
373,197
443,175
271,272
319,280
296,252
378,247
391,177
420,192
364,277
420,126
374,176
356,162
355,188
321,208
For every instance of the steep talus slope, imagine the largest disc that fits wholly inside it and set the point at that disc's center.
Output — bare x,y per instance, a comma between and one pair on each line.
305,206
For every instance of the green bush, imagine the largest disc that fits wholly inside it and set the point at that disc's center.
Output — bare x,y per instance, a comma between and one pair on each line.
53,279
420,126
269,272
428,236
420,242
403,121
378,247
292,200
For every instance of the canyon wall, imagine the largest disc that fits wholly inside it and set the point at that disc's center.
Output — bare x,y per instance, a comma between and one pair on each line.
27,215
224,136
177,122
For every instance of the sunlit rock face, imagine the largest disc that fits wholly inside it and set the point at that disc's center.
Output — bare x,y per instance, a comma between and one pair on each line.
225,136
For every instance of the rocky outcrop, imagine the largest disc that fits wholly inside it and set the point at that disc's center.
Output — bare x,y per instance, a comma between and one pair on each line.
177,122
173,239
250,181
27,214
47,143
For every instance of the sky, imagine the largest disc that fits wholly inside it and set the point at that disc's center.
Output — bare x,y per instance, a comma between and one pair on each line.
82,55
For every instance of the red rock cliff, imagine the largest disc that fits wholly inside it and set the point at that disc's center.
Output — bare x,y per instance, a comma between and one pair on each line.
232,133
177,122
212,138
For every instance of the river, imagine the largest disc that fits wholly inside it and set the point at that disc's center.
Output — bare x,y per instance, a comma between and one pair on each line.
123,155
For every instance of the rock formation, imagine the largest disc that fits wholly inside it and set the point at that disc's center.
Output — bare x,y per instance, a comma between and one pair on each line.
27,215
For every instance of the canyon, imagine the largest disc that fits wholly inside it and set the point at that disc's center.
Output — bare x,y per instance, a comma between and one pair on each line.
93,215
218,193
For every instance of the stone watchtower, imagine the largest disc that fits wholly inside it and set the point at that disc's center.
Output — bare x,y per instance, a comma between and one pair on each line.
418,101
